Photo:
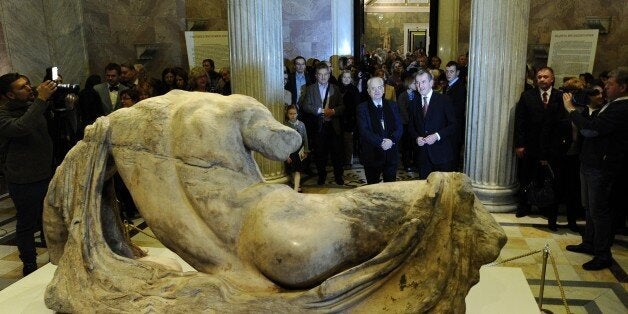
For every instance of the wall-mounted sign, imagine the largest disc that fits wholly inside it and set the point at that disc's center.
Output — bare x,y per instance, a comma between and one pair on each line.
207,45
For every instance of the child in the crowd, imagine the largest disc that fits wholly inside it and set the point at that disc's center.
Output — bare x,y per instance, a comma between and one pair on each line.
294,163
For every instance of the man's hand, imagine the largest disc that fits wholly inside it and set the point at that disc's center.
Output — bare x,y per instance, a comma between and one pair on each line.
520,152
386,144
328,112
567,102
420,141
289,160
431,139
46,89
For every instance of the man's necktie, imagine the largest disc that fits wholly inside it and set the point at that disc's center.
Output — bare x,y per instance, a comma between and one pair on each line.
113,88
380,114
545,99
425,104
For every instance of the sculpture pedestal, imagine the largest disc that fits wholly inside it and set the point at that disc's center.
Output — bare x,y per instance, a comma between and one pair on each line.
500,290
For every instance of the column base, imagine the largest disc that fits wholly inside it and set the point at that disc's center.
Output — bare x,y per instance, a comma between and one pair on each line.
497,199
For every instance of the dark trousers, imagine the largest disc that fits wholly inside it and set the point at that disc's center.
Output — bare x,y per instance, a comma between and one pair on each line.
526,171
426,166
570,181
29,201
596,191
329,144
388,170
407,148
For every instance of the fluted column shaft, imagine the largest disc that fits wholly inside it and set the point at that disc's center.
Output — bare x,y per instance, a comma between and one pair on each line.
256,53
497,56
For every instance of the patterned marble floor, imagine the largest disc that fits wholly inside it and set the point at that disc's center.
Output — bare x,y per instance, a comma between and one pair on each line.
586,291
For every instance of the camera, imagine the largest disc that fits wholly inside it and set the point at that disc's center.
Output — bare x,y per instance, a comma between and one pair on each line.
65,97
580,97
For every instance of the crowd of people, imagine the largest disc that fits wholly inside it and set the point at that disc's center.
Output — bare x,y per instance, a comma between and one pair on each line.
577,136
39,125
346,115
389,110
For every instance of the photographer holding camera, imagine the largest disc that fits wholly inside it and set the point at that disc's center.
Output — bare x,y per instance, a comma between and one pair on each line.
602,162
63,122
26,156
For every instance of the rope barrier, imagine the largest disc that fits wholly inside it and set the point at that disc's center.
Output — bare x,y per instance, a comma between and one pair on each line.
546,253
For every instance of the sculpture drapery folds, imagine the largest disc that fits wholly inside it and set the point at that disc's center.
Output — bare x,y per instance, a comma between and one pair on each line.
186,158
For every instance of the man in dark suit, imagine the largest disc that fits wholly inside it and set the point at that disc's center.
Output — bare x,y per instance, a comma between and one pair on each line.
323,101
602,161
380,129
298,80
296,84
536,115
109,91
457,91
433,126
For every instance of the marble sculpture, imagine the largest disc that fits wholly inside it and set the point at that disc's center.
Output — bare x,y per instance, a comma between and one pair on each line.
186,157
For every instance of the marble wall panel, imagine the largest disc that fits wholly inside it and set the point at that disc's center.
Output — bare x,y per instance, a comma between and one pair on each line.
307,28
548,15
97,28
5,64
207,9
66,39
322,50
26,37
305,10
1,29
168,34
115,27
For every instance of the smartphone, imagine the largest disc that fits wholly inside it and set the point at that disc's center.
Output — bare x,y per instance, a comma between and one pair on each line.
55,73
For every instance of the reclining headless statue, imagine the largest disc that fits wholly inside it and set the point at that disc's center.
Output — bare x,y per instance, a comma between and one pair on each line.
187,160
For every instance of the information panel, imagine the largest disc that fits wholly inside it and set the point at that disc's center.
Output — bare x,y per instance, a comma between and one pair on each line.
208,45
572,52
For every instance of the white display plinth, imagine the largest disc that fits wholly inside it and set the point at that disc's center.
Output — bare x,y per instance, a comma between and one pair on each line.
500,290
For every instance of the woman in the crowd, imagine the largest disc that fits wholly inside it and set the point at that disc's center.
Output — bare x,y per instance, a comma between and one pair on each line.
287,95
389,90
198,80
351,99
129,97
224,84
405,101
167,78
180,78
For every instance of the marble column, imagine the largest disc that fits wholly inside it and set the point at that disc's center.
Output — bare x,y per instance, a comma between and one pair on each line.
448,21
497,56
256,53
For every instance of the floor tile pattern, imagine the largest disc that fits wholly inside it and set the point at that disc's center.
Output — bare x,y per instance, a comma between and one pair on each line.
601,291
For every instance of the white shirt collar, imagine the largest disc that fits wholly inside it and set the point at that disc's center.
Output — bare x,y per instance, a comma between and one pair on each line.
428,96
548,91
